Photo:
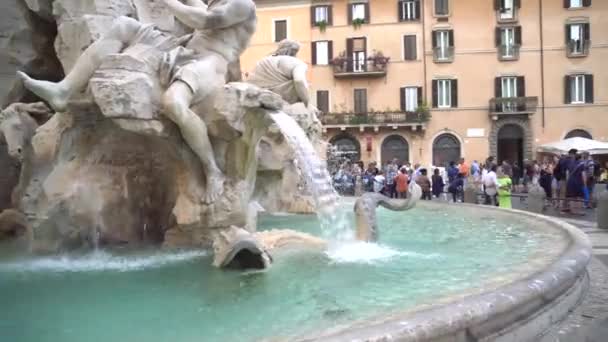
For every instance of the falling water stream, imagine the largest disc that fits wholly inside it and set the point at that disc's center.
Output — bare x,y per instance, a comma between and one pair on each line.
317,178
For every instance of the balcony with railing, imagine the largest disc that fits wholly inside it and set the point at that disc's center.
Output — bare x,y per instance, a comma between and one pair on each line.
375,119
443,54
578,48
503,106
508,52
368,67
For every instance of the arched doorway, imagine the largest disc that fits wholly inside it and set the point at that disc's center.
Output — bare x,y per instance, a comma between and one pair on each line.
395,146
344,146
446,148
510,144
580,133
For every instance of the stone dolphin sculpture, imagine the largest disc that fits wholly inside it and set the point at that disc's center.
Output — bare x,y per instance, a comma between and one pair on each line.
365,210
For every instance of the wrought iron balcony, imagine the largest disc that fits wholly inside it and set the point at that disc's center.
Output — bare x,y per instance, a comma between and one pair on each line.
578,48
349,67
500,106
443,54
375,119
508,52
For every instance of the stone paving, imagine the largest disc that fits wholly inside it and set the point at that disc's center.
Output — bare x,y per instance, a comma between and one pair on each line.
588,322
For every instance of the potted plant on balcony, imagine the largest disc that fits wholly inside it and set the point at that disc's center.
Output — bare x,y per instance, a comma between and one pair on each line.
322,25
423,112
378,59
357,23
340,62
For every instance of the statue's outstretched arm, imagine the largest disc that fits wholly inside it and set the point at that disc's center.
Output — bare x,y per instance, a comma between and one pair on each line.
221,16
301,85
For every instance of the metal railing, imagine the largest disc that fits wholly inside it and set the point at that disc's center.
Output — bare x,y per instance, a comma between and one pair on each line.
578,48
443,54
508,52
374,118
350,66
513,105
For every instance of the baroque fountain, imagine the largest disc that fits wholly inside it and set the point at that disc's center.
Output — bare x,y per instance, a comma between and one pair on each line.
134,190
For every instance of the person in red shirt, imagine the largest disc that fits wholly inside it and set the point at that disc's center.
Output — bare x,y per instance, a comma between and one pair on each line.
401,181
463,168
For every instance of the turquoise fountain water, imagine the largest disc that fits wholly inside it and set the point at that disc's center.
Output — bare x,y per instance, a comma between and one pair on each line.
423,255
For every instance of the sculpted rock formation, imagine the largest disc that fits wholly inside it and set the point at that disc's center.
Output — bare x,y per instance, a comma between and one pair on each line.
280,186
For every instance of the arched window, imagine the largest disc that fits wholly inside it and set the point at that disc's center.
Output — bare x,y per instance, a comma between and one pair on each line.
446,148
581,133
395,146
344,146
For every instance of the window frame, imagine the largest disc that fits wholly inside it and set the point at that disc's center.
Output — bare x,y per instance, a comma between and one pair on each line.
574,86
446,85
274,29
416,101
443,43
316,52
352,10
403,6
328,100
442,15
403,50
362,91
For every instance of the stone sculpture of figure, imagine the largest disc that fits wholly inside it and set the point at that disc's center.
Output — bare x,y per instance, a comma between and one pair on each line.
283,73
222,31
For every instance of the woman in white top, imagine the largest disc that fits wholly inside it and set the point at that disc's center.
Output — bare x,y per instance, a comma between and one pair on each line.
490,183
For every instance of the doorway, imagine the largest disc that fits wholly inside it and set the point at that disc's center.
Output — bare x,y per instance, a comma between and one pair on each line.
395,146
510,144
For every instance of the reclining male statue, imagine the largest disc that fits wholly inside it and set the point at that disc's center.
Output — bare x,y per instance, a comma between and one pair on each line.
222,31
284,74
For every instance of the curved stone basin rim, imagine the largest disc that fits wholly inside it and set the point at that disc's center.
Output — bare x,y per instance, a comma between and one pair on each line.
477,315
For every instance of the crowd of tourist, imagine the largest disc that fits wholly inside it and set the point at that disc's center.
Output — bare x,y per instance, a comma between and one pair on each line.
569,181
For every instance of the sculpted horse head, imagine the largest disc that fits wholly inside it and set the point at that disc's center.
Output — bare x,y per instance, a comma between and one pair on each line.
18,124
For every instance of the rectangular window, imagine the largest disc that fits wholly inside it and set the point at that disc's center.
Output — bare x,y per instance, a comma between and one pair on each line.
323,101
321,53
577,3
509,86
507,11
280,30
321,14
508,42
444,93
577,88
356,49
411,99
443,44
409,10
360,101
577,38
442,7
358,11
409,48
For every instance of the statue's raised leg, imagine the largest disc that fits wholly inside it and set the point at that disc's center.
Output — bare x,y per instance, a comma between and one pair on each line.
176,103
123,31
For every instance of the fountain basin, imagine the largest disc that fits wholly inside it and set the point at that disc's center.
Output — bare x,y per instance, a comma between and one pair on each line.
518,311
437,273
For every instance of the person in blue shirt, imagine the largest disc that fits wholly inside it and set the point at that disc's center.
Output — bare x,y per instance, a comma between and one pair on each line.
452,172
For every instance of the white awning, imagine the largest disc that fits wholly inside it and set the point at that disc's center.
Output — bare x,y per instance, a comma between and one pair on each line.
581,144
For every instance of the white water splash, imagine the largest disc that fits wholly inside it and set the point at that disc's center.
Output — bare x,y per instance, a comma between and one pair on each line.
99,261
318,181
369,253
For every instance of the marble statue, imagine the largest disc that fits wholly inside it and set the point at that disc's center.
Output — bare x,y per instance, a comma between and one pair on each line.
193,67
283,73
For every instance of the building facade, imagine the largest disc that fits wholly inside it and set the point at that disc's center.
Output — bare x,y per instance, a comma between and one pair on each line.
429,81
